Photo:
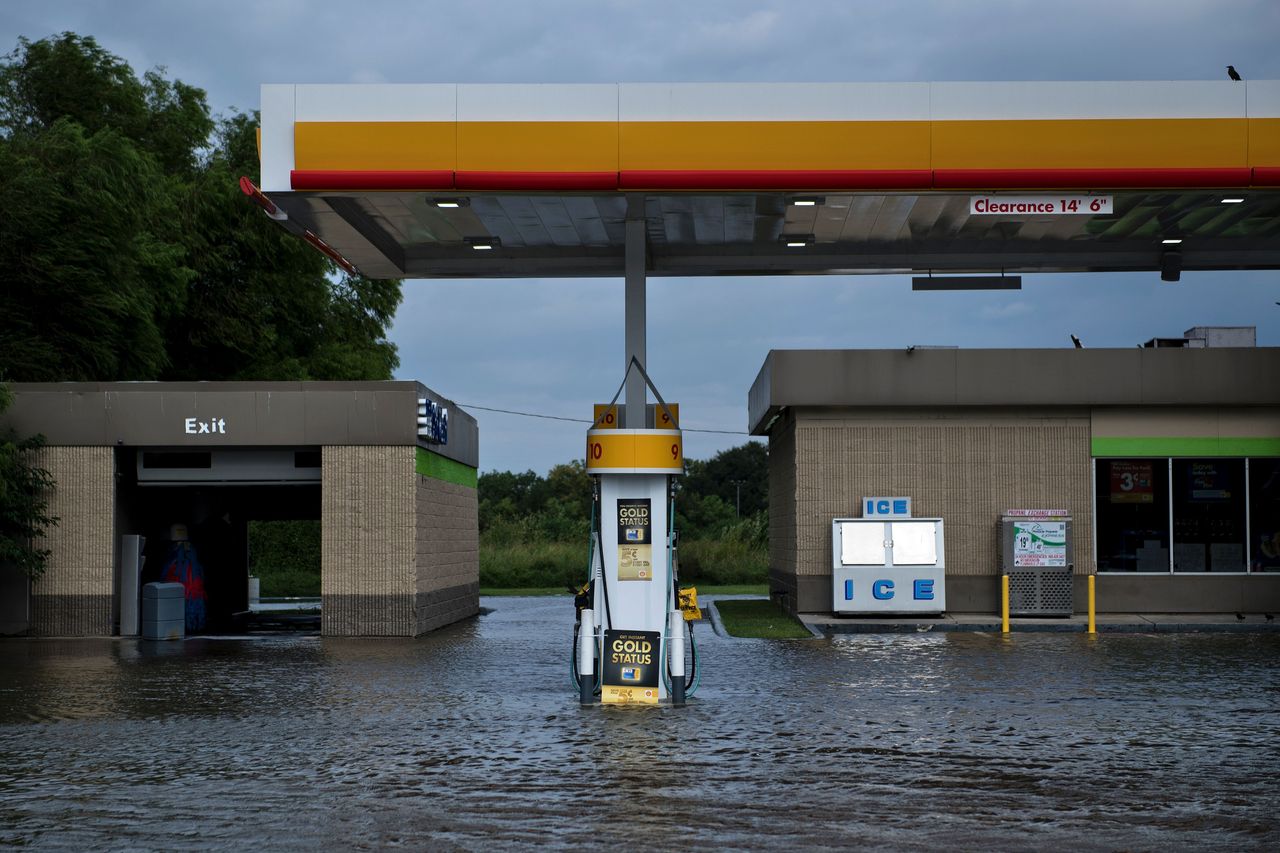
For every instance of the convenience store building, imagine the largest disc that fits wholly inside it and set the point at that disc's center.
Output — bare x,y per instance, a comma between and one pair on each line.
1167,459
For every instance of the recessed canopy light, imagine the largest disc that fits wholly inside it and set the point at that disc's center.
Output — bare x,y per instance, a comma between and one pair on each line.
796,244
1171,241
806,201
450,203
1232,200
483,244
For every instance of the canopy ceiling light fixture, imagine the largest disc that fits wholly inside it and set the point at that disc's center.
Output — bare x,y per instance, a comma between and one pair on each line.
450,203
807,201
796,241
1171,241
483,244
1233,200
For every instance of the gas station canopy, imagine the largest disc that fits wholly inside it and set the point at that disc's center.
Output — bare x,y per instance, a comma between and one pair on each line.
461,180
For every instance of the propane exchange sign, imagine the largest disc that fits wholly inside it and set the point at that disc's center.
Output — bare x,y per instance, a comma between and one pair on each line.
635,541
631,661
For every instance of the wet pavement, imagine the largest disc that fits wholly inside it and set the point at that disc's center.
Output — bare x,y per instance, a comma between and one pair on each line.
472,737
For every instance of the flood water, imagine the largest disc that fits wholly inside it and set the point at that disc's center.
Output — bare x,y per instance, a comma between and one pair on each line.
472,737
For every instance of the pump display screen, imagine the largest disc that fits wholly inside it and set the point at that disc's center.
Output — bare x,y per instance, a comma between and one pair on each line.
635,540
631,661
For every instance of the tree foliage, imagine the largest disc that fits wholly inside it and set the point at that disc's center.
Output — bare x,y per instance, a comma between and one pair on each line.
534,530
561,501
129,252
713,490
24,502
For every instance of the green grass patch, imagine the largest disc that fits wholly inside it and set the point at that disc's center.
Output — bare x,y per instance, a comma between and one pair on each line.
724,566
289,583
723,561
524,590
533,565
760,618
728,589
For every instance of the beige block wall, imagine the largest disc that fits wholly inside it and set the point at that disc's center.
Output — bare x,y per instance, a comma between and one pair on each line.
368,541
963,467
448,553
782,503
74,596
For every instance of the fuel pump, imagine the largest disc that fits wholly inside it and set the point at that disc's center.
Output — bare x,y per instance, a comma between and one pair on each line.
632,639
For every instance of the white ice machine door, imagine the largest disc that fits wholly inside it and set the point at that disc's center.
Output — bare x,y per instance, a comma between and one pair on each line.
862,544
915,543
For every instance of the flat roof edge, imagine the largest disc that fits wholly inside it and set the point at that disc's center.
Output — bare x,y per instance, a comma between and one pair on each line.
915,377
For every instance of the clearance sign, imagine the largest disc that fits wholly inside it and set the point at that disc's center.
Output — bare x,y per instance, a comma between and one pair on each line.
630,674
1040,205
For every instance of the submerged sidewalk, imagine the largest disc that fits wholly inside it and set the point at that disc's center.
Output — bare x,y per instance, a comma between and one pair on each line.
1106,623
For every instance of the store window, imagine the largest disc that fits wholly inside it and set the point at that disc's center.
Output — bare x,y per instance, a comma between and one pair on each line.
1132,500
1208,515
1264,515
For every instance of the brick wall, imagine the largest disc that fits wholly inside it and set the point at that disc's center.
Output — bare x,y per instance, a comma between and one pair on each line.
782,513
74,596
368,548
400,550
448,553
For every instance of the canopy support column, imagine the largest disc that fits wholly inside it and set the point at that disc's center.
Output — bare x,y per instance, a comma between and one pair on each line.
634,308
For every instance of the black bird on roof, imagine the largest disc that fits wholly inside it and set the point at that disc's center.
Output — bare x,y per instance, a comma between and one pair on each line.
1232,72
1076,342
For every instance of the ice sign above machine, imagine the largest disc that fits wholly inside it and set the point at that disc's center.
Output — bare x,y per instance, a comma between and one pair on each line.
886,507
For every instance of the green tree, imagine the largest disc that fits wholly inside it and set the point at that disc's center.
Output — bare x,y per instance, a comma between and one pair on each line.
72,78
739,473
91,257
129,253
263,304
24,502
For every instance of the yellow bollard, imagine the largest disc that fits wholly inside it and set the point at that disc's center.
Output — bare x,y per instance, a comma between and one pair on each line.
1092,628
1004,604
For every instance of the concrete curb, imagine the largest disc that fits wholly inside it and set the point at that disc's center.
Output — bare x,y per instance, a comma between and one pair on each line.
716,624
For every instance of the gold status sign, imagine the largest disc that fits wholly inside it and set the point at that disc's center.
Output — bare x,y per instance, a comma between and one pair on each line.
630,668
635,542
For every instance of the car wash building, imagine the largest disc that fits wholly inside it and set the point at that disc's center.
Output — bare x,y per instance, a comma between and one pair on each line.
1160,463
388,468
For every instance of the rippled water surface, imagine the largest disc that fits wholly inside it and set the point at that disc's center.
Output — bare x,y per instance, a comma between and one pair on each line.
472,737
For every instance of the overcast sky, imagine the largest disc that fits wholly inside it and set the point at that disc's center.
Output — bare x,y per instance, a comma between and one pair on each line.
554,347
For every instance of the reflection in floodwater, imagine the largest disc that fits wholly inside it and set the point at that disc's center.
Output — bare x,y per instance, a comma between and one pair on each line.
472,736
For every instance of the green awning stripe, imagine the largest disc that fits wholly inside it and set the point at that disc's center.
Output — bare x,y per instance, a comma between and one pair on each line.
438,467
1197,446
